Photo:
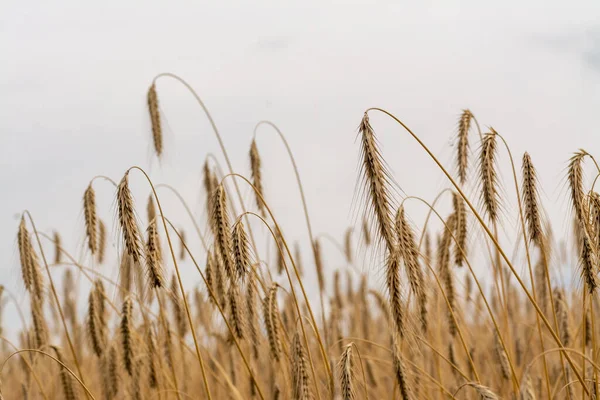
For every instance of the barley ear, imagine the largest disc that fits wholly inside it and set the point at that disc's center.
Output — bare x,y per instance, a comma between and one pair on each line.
462,150
346,374
255,170
91,218
530,201
155,120
126,335
488,176
127,220
376,179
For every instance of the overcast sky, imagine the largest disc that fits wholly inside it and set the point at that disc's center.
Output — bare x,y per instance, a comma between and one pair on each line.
75,75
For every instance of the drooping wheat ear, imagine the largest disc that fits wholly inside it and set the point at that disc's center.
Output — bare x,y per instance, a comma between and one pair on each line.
220,280
461,229
127,335
394,292
298,259
168,346
400,371
365,311
40,328
518,351
575,178
30,266
462,150
255,170
452,359
562,313
301,388
222,230
588,259
127,220
178,308
57,246
251,313
152,357
207,182
100,294
241,250
151,209
408,251
349,287
484,393
530,201
154,267
337,292
488,176
445,272
182,251
68,295
209,271
594,201
93,325
25,254
155,120
348,245
91,219
319,265
366,232
527,389
427,244
236,311
501,357
272,322
468,287
101,241
346,374
377,184
135,388
280,257
66,379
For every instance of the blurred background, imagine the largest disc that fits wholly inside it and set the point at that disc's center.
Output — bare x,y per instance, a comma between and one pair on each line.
75,76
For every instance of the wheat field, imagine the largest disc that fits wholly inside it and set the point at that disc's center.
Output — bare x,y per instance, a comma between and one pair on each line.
419,322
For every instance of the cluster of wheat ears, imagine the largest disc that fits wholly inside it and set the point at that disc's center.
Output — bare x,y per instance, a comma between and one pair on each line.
416,324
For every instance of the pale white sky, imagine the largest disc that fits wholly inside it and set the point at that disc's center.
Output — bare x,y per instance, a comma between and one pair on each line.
74,80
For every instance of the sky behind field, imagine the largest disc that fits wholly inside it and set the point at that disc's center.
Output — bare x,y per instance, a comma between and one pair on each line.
74,80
